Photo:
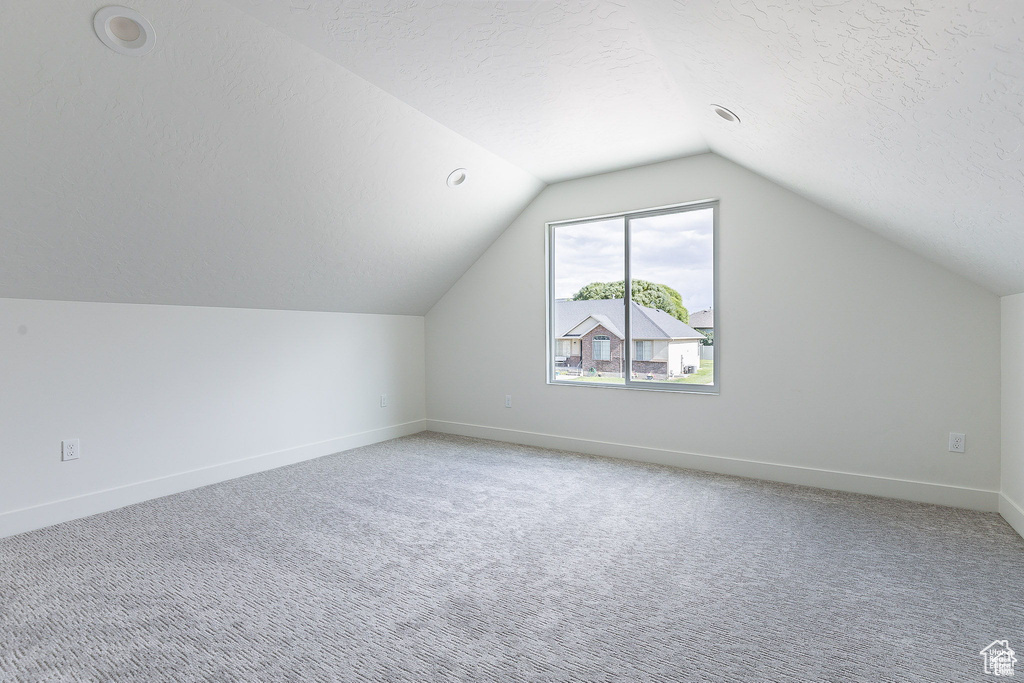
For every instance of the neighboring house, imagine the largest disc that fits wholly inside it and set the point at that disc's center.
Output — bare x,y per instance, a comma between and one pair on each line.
590,334
704,322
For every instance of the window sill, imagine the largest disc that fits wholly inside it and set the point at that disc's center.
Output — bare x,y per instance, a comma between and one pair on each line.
679,388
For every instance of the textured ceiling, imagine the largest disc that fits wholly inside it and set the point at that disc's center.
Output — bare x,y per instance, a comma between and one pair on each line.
904,115
562,89
229,167
293,155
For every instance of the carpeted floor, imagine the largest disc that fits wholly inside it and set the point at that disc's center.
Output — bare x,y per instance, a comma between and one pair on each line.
442,558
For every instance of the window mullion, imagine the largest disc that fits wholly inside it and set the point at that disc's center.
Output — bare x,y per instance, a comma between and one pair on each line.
627,296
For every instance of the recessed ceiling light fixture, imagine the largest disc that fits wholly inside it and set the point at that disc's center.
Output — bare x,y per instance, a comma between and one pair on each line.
457,177
124,30
725,113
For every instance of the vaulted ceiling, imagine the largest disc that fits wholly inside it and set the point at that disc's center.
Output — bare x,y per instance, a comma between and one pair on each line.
293,154
904,115
561,89
231,166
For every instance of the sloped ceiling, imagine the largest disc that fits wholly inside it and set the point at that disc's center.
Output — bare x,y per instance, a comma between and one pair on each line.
292,153
904,115
231,166
562,89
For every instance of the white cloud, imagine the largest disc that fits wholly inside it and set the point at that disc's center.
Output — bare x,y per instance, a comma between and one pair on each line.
671,249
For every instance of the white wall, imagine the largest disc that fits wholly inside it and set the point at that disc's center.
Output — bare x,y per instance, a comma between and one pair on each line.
789,270
165,398
1011,503
682,353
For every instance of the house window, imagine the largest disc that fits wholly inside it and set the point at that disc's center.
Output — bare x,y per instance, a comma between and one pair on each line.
563,348
634,277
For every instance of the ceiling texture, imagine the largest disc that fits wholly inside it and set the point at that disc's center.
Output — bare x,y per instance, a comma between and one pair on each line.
293,153
231,166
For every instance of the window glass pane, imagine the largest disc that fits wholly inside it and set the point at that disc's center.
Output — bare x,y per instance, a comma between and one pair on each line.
672,271
588,272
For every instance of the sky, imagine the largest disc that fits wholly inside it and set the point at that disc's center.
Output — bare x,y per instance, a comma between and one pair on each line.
671,249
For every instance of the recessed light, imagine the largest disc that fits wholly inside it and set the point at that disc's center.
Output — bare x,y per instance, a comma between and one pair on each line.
457,177
725,113
124,30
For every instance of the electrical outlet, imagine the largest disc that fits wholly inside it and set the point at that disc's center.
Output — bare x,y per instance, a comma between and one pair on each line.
508,400
383,400
70,449
956,442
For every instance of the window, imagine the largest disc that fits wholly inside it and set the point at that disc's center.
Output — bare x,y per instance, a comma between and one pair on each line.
628,282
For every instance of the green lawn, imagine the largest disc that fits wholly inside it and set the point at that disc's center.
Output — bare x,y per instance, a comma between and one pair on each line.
588,378
706,375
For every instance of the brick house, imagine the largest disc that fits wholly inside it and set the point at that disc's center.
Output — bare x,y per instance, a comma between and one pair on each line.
589,339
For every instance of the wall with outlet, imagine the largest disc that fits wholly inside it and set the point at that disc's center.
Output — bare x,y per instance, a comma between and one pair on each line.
842,354
1011,503
150,400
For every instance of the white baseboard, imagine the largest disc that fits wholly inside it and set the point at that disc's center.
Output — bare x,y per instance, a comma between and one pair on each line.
1012,513
887,487
45,514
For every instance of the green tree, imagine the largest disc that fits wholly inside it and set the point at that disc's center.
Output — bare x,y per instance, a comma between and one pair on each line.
650,294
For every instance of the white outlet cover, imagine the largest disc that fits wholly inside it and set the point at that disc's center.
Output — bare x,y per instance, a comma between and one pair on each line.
957,442
508,400
70,449
383,400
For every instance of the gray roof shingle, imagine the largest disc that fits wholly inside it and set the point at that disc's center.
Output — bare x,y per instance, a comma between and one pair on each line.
648,323
703,319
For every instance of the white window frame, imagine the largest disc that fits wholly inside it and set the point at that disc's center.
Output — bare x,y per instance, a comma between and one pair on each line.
593,346
627,346
567,343
647,344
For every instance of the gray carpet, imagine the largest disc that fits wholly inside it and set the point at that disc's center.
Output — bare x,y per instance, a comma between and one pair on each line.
442,558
